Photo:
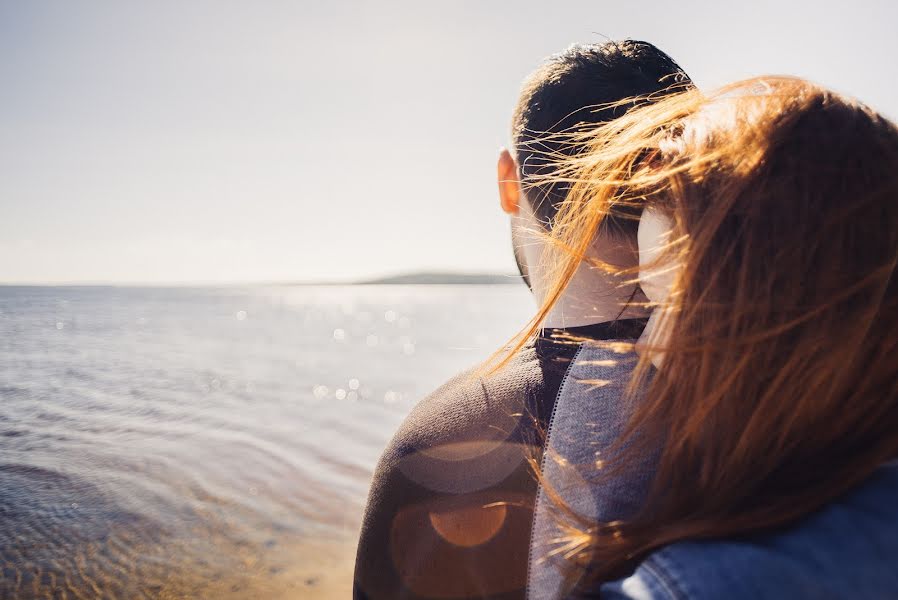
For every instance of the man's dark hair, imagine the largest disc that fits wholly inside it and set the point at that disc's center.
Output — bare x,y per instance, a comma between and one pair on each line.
576,89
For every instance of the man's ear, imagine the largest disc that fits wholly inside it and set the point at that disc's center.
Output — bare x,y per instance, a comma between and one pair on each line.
509,183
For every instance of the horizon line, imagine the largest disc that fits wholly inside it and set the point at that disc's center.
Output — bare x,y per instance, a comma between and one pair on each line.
387,279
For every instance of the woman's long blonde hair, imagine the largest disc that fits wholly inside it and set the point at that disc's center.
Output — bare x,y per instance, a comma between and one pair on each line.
779,389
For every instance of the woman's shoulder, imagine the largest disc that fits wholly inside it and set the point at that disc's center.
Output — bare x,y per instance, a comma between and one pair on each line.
846,550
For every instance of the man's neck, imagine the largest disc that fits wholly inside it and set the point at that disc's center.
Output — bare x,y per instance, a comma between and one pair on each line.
591,297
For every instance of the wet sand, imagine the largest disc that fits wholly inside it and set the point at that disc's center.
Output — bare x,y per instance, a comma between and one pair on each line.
305,570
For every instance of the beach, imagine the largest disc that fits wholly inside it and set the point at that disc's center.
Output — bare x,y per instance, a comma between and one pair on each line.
212,442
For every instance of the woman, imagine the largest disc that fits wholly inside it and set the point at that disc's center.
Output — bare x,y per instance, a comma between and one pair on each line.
774,413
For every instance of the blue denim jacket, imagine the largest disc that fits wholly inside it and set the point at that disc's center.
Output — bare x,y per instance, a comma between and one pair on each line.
847,550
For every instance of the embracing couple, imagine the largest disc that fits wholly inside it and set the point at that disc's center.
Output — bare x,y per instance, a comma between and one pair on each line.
706,402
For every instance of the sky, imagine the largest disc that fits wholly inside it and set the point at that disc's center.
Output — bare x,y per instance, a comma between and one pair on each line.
224,141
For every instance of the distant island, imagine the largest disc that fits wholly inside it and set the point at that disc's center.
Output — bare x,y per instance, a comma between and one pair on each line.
414,278
440,278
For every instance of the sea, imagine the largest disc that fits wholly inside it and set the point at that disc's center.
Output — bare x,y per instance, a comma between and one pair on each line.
213,442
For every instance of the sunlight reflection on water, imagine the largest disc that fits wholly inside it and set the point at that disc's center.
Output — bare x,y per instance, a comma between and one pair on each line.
212,442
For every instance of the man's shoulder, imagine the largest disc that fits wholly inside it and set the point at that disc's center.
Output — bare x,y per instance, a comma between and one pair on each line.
452,495
473,407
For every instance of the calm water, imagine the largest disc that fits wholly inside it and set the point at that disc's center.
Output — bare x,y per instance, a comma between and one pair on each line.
167,443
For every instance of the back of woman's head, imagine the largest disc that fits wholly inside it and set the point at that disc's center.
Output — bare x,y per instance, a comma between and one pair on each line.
779,384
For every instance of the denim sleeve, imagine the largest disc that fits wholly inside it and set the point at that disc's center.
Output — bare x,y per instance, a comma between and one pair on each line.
649,582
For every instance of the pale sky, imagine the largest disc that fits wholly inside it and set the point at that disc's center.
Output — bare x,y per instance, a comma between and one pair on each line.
225,141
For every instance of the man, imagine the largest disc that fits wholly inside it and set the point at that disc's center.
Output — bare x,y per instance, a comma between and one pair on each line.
451,507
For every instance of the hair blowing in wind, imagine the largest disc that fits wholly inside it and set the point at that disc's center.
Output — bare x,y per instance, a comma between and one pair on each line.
779,387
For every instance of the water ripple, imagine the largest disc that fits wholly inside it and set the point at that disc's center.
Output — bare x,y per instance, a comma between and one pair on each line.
158,445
